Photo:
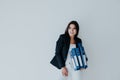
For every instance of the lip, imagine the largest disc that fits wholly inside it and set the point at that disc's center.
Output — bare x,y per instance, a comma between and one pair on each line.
71,33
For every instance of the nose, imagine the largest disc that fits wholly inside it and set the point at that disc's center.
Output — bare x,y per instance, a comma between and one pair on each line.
72,29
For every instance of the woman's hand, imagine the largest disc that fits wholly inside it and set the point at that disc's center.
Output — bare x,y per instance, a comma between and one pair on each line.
64,71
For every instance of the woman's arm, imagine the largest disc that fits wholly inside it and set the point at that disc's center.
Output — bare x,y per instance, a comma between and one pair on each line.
58,52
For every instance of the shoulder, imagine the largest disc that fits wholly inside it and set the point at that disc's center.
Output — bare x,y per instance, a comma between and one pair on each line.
79,39
63,36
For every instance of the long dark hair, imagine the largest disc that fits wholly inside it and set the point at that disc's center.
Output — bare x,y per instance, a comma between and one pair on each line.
76,25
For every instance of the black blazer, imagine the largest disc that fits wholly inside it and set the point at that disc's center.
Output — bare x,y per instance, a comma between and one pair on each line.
61,50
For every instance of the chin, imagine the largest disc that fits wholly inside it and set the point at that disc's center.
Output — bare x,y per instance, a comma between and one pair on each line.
72,35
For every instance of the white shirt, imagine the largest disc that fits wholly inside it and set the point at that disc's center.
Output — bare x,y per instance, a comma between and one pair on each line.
68,60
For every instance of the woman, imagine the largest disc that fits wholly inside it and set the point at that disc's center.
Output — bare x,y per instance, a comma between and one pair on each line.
62,59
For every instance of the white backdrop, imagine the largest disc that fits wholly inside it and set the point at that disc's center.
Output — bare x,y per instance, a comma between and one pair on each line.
29,30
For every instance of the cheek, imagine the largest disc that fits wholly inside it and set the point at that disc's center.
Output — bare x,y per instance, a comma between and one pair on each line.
68,30
75,31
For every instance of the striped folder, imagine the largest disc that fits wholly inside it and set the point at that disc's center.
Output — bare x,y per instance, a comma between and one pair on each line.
78,57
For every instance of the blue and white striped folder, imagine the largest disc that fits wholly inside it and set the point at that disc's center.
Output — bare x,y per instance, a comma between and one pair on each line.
78,57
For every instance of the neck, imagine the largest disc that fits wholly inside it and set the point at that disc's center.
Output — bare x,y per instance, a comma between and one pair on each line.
71,37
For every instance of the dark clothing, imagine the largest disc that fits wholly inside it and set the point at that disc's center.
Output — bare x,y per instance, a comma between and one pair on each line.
61,50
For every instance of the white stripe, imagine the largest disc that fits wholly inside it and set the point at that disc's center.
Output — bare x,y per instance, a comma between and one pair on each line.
80,60
76,61
84,58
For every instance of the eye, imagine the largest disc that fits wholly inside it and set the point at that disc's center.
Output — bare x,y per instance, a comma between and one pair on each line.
69,28
74,28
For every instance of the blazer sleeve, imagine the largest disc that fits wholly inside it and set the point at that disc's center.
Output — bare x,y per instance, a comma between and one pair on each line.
58,51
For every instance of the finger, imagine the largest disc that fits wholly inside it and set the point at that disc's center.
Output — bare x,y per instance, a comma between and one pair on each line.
66,74
63,74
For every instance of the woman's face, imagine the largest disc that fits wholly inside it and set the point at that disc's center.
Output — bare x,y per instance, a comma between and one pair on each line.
72,30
